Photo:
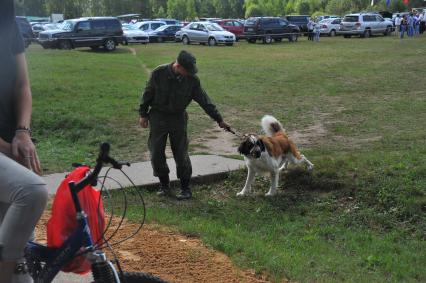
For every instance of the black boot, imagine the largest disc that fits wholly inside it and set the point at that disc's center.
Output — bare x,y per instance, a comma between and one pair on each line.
185,190
164,186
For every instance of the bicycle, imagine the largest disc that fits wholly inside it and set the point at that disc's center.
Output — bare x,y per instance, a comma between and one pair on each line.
44,263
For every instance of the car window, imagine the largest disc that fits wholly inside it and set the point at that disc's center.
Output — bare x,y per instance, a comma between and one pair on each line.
112,24
156,25
83,26
193,26
238,24
283,23
229,23
335,22
380,18
213,27
368,18
98,25
251,21
351,19
144,27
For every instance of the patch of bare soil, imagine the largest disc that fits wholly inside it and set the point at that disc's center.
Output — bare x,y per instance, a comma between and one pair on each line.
174,257
217,141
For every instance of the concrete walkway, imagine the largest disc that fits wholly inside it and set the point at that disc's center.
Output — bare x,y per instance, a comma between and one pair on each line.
205,168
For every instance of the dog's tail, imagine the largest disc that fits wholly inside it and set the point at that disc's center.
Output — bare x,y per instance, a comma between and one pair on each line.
270,125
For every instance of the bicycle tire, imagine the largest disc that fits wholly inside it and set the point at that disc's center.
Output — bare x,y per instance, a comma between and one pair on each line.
140,277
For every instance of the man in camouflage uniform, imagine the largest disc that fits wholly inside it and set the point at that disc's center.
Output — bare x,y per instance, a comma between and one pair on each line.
168,92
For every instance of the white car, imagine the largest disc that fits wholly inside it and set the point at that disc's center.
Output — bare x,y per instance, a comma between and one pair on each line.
132,34
206,32
148,26
330,26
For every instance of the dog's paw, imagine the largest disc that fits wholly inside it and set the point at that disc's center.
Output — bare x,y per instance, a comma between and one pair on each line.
241,194
310,167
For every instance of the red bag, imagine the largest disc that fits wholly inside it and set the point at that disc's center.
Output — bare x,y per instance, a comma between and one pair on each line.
63,221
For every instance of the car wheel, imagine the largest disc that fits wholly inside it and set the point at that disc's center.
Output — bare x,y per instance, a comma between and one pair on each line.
212,41
267,39
185,40
332,33
110,44
387,32
366,34
65,44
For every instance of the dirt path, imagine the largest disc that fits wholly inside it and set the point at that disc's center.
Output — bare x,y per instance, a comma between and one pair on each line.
173,257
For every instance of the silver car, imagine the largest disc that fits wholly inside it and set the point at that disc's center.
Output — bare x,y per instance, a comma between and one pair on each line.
206,33
330,26
364,25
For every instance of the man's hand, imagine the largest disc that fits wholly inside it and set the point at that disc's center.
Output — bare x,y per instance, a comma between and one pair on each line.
144,122
23,150
225,126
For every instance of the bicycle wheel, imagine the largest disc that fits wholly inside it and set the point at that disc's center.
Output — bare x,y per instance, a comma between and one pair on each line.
140,277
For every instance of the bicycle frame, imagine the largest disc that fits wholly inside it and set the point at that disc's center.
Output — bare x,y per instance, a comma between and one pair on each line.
45,263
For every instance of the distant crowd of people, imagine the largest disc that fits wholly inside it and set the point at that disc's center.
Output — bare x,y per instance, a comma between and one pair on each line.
413,24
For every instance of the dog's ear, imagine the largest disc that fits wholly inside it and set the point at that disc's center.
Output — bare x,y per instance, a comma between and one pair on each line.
261,144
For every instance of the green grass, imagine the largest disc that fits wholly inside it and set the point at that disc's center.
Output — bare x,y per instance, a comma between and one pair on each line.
360,103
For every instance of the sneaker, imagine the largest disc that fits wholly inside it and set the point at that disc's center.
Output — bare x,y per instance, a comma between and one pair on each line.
164,190
184,195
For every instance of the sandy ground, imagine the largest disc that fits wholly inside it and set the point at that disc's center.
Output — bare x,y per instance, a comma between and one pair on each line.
176,258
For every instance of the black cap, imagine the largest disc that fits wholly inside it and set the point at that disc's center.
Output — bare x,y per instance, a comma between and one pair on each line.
188,62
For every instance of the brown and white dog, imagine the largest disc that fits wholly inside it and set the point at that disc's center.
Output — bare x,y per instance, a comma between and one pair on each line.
269,154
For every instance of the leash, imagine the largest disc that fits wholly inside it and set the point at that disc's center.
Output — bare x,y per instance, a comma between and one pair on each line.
228,129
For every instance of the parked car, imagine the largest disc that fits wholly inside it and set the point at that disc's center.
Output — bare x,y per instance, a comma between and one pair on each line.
84,32
234,26
148,26
25,29
206,32
299,20
169,21
164,33
324,17
330,26
132,34
268,29
37,28
364,25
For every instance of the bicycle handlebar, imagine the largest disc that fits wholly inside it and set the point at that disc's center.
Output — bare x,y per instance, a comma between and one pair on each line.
102,159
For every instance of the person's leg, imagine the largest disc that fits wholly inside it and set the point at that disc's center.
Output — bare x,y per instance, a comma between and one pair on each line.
179,144
157,146
23,197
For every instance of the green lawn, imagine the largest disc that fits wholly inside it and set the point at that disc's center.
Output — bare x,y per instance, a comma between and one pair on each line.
360,216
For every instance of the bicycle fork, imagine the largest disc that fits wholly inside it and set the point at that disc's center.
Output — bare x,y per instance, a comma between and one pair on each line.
102,269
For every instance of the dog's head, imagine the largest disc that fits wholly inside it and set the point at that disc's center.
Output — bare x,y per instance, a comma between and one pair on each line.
251,146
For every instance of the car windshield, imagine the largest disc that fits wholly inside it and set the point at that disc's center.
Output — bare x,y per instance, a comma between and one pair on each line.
213,27
68,25
351,19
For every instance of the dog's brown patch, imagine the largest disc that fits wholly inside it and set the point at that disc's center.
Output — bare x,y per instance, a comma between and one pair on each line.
280,144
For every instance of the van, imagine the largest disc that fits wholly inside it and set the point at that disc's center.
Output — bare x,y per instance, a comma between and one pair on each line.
84,32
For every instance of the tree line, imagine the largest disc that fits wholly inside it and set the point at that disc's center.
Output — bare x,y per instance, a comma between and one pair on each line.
192,9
